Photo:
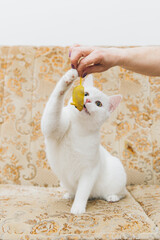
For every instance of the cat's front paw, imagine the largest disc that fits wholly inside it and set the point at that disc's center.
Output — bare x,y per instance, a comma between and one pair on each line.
113,198
71,75
68,196
78,209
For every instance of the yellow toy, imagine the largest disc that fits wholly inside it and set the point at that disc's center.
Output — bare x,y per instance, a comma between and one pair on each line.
78,96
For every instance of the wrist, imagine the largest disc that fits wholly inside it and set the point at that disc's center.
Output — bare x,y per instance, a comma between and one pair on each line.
115,56
120,56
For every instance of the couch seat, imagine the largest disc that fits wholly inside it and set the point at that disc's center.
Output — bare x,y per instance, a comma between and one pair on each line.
148,196
28,212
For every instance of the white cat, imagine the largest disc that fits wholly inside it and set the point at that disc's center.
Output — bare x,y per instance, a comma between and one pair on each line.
73,147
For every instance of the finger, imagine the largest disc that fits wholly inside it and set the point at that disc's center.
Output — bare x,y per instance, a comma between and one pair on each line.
91,59
93,69
70,49
78,53
76,45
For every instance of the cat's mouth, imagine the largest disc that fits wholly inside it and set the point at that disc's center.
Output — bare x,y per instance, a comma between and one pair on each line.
85,109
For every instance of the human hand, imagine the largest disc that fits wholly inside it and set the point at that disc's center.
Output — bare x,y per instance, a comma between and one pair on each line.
93,59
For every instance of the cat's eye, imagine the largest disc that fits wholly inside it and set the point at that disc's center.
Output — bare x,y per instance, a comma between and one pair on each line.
86,94
98,103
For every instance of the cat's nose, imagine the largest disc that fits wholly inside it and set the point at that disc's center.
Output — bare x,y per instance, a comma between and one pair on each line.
88,101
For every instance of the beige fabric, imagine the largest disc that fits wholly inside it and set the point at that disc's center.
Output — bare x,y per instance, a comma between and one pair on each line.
27,77
28,212
149,198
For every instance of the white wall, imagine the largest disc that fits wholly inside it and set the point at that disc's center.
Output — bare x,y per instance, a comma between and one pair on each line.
90,22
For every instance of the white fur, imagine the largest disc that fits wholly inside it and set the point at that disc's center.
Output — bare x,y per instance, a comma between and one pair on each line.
73,147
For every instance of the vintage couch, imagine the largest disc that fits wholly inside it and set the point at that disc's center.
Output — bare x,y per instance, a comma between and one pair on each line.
31,204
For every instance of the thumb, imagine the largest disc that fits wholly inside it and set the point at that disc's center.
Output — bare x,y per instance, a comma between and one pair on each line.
88,61
78,53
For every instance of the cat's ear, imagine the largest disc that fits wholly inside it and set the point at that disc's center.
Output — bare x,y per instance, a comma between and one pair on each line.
114,102
88,81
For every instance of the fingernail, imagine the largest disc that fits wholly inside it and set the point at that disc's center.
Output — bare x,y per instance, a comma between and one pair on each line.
84,75
69,53
72,66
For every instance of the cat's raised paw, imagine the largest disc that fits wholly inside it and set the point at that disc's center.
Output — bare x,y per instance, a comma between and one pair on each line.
71,75
112,198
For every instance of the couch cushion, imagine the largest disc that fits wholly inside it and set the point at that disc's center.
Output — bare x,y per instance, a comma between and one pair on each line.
149,198
41,213
29,74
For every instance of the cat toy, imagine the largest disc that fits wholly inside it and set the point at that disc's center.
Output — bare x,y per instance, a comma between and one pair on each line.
78,96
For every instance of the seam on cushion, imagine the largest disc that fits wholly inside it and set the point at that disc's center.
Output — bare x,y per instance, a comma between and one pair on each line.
156,229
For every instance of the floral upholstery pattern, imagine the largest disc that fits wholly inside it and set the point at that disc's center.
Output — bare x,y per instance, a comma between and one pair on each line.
40,212
27,77
31,202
